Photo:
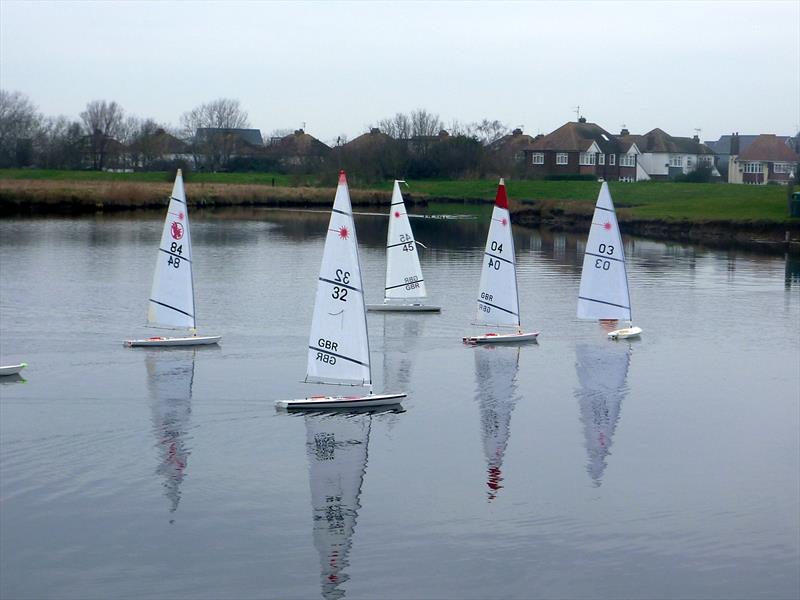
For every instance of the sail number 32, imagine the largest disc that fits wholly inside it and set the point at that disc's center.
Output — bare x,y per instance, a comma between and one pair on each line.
340,293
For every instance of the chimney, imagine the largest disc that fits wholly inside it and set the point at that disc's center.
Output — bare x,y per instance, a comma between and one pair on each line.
696,138
374,131
735,144
624,131
299,132
582,120
517,131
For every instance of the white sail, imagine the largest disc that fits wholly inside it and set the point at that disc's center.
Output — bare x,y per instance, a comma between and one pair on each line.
496,370
337,455
498,302
403,273
604,283
338,347
172,297
602,372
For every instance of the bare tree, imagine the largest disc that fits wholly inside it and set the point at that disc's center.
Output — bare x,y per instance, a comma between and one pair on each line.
425,124
58,143
218,115
398,127
490,131
19,121
103,122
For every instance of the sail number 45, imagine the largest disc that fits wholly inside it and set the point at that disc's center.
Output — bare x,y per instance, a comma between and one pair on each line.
340,293
175,261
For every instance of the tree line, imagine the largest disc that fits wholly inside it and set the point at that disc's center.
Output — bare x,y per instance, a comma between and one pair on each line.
104,136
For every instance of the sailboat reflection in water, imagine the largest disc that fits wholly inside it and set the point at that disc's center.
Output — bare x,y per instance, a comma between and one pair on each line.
169,383
336,444
496,370
602,372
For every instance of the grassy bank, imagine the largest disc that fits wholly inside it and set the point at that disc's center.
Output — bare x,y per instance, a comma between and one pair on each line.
643,201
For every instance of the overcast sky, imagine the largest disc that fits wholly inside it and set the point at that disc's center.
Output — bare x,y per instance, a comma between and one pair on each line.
338,67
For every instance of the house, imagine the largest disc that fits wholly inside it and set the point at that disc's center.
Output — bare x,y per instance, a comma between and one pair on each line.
298,150
768,158
663,156
157,149
722,150
507,154
374,155
577,148
215,147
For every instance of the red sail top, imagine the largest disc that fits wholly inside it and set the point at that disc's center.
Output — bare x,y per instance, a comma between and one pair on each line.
501,200
342,178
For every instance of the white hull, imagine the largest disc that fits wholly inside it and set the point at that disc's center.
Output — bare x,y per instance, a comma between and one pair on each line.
195,340
499,338
12,369
323,402
403,308
621,334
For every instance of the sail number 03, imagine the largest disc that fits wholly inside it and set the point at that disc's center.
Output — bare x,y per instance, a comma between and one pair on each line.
340,293
601,263
175,261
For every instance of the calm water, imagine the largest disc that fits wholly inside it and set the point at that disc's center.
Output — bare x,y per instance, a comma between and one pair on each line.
572,468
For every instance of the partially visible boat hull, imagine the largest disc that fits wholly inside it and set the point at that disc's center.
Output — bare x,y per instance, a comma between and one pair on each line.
403,308
500,338
11,369
323,402
195,340
621,334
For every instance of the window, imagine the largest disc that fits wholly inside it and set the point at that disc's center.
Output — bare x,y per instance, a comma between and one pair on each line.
612,159
752,167
676,161
782,167
627,160
562,158
601,160
587,158
538,158
519,156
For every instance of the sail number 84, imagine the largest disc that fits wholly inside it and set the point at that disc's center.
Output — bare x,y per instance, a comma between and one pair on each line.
175,261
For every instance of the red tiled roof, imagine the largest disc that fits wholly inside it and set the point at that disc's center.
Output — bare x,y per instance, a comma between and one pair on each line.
770,148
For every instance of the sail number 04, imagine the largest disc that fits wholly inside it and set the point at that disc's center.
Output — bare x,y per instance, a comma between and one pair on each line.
340,293
601,263
175,261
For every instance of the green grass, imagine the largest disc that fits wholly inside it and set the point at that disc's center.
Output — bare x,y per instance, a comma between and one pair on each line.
696,202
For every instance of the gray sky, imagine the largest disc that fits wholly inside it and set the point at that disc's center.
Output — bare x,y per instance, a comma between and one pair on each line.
341,66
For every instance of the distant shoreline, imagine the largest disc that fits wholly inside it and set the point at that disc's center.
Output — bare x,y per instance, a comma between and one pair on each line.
42,197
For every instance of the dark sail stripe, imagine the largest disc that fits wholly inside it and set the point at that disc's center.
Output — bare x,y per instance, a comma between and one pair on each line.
183,312
604,302
341,212
498,307
175,255
340,284
498,257
177,199
397,203
400,244
604,256
353,360
391,287
605,209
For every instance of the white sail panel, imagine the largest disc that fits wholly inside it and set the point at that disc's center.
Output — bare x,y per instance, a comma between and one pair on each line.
337,455
338,345
604,282
496,374
498,302
172,297
403,273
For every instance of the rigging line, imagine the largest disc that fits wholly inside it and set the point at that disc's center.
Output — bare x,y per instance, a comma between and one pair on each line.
340,284
498,307
604,256
358,362
176,255
498,257
391,287
603,302
183,312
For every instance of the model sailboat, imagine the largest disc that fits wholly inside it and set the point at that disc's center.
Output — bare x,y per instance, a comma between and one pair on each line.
338,347
498,299
171,303
405,286
604,291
